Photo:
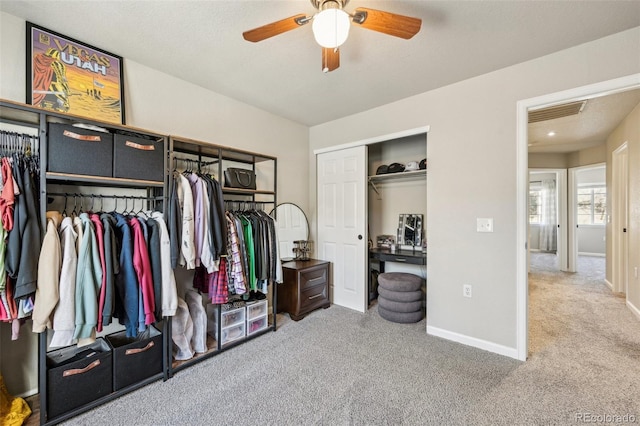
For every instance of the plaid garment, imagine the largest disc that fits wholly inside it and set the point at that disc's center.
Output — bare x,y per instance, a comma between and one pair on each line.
218,290
236,274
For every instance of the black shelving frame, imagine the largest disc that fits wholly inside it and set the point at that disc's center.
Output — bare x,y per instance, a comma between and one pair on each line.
206,153
212,154
32,117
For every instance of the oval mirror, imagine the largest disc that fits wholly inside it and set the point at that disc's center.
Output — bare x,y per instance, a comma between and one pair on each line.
292,226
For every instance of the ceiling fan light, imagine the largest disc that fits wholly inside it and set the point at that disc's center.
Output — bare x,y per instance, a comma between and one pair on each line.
331,27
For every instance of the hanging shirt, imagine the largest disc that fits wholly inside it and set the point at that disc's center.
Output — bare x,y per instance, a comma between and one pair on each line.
7,196
112,266
236,275
102,292
49,263
188,250
28,270
218,291
155,259
64,315
174,223
169,291
88,279
126,308
142,267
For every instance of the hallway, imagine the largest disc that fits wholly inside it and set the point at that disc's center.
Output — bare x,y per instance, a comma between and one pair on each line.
573,312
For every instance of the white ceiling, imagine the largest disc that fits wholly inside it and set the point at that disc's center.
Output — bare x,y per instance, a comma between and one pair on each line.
591,127
201,42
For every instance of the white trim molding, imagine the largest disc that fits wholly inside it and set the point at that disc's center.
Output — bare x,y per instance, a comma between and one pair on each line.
633,309
474,342
606,281
584,253
376,139
522,174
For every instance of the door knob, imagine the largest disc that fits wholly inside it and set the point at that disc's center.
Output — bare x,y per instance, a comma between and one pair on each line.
359,237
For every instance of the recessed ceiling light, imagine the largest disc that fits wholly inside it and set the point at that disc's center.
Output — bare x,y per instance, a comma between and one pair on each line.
551,133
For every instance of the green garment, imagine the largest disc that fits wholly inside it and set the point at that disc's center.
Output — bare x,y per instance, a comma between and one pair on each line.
247,229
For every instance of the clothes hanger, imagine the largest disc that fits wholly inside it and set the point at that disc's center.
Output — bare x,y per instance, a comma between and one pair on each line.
64,209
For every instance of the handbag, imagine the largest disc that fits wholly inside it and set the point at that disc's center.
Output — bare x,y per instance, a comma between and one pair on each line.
239,178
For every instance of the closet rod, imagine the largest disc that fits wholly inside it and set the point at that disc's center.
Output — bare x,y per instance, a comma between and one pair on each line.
248,202
120,197
192,160
19,123
23,135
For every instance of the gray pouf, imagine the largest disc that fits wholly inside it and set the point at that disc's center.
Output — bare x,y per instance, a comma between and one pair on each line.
401,296
399,281
401,317
390,305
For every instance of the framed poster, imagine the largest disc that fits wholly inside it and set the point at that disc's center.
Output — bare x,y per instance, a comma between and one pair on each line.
68,76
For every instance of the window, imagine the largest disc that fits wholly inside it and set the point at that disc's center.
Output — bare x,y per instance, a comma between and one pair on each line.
592,205
535,205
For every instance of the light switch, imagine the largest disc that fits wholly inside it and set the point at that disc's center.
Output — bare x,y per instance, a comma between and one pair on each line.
484,224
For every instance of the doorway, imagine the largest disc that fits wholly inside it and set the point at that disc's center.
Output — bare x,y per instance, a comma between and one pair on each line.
587,217
620,208
547,215
347,274
522,138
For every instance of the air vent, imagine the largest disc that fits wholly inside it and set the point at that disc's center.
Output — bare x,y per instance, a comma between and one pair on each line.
556,111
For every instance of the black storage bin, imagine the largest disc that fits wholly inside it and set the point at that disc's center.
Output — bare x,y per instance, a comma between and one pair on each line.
77,376
79,151
135,358
138,158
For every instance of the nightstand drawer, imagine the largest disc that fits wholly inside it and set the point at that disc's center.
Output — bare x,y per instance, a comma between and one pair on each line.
313,277
314,295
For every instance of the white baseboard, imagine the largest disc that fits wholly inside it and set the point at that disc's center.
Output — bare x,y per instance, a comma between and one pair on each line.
582,253
472,341
28,393
608,284
633,309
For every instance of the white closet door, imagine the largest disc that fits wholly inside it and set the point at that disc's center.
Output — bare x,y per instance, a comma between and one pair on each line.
342,223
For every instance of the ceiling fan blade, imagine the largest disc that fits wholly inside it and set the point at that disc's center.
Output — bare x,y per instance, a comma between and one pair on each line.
330,59
275,28
386,22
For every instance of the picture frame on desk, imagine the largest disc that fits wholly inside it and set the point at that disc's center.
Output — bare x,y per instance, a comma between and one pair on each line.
72,77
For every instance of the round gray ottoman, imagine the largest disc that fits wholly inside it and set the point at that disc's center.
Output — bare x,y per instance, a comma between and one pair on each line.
399,281
402,317
393,306
400,297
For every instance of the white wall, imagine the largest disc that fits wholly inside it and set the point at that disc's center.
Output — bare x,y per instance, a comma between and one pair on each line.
472,173
179,108
628,131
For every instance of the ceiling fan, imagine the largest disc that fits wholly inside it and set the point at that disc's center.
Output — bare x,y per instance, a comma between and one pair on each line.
331,27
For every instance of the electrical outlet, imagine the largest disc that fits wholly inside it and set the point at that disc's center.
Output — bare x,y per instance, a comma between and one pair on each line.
466,290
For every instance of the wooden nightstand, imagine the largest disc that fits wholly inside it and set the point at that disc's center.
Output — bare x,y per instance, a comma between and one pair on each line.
305,287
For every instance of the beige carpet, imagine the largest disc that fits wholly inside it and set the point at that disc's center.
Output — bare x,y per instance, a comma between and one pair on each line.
340,367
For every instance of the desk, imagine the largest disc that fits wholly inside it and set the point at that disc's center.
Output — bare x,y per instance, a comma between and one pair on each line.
382,255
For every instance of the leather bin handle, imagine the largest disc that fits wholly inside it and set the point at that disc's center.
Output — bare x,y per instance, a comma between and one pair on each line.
138,350
75,371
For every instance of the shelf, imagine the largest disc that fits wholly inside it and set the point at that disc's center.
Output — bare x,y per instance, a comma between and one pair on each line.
199,148
387,177
98,180
30,115
240,191
416,174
